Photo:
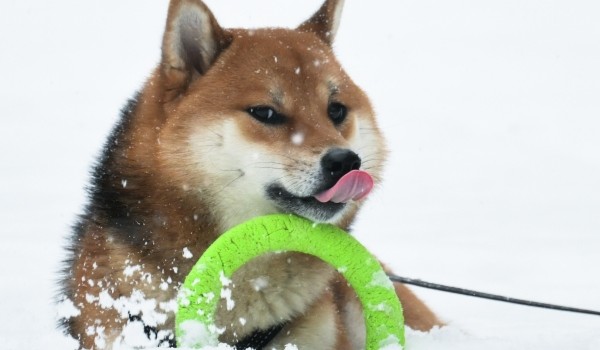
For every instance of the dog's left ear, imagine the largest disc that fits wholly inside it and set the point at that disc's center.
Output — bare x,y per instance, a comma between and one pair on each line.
192,42
325,21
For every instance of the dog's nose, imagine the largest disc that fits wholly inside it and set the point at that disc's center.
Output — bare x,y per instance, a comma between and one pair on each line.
338,162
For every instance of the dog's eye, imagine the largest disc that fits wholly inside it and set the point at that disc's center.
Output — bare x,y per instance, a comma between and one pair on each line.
266,114
337,112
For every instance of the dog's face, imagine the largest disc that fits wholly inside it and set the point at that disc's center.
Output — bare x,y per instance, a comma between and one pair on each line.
270,123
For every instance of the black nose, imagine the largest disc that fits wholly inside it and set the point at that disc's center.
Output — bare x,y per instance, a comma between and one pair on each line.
338,162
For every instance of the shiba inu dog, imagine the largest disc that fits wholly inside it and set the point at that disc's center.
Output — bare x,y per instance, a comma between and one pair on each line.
232,124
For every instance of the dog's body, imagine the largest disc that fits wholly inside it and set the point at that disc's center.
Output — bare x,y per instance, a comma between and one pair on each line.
233,124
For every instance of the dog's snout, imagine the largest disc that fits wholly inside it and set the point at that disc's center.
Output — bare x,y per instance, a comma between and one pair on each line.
338,162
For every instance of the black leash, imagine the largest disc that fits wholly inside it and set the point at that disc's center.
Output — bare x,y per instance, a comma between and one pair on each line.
420,283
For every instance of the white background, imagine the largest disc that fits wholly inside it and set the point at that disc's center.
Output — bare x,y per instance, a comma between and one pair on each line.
492,114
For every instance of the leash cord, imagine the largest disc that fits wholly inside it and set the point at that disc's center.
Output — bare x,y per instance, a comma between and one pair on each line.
424,284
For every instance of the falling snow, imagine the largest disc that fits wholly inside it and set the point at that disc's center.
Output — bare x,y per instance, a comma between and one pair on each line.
298,138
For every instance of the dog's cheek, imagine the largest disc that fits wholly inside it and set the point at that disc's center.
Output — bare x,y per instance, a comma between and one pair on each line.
258,157
234,172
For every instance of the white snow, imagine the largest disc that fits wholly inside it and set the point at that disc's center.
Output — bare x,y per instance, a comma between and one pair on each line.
380,279
65,308
194,332
260,283
390,343
131,269
491,114
297,138
226,291
187,254
163,285
133,336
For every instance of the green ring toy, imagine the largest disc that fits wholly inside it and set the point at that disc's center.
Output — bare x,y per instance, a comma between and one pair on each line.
201,290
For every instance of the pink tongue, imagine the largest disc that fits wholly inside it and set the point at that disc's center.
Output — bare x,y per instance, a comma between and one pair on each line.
355,185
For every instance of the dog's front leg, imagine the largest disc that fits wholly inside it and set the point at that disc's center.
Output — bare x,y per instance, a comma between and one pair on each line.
271,290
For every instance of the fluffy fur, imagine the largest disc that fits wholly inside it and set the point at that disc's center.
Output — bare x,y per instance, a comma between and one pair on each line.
188,161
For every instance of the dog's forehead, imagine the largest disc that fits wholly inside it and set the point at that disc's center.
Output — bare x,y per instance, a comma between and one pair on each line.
282,49
269,64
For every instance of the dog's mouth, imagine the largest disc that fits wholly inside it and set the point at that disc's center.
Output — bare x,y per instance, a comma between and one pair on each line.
354,185
324,204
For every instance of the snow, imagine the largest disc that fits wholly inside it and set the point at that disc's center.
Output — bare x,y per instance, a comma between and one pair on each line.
226,292
297,138
187,254
259,283
380,279
194,332
390,343
491,114
131,269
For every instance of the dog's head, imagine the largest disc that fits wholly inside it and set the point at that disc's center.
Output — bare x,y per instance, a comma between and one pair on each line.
265,121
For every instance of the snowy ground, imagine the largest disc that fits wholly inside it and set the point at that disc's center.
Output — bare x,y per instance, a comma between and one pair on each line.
491,108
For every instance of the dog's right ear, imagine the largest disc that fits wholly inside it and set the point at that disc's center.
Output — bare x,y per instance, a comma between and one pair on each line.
192,41
325,22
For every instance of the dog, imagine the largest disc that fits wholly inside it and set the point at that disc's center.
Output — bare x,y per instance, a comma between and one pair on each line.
231,125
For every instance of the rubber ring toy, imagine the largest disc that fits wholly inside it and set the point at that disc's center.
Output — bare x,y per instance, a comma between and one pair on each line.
201,291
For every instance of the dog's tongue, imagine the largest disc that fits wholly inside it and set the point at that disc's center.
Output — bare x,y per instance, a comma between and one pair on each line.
355,185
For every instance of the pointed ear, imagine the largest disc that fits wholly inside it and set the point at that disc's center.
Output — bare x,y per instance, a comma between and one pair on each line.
192,41
325,22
